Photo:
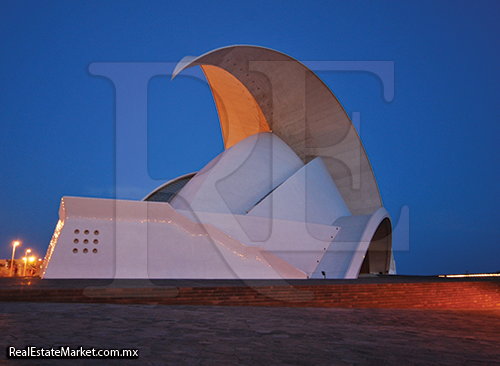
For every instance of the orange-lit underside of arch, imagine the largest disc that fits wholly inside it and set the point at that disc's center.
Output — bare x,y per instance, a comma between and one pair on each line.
239,114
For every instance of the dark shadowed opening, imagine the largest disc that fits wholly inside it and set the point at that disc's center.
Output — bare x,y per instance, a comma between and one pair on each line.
378,256
166,192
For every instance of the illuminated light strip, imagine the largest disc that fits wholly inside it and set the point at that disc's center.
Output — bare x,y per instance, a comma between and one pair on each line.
472,275
52,246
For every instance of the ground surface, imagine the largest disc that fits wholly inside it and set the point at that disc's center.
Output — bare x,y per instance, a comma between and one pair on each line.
216,335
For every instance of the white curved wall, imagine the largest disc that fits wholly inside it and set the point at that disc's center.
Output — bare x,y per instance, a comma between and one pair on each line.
345,255
238,178
310,195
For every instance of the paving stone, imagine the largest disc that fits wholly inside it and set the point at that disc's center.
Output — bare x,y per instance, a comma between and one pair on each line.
246,335
207,335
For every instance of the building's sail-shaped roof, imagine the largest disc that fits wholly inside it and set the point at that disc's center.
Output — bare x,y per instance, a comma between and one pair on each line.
257,89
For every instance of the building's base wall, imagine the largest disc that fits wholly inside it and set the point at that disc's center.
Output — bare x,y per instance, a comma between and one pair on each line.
101,238
137,239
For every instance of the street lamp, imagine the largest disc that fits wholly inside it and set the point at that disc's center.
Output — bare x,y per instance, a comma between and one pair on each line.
14,245
25,261
32,259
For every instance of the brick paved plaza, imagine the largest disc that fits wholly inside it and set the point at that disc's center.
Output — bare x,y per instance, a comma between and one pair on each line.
369,321
218,335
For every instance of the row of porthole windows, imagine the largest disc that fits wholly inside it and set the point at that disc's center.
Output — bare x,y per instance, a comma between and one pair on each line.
75,250
87,232
85,241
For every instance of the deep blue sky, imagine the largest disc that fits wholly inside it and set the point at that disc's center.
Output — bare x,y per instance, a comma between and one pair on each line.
434,148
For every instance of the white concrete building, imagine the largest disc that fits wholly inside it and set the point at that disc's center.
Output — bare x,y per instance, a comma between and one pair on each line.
292,196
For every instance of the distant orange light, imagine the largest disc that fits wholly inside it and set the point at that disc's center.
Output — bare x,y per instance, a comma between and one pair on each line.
472,275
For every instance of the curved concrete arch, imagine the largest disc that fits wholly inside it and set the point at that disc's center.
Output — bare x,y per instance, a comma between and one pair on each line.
239,113
300,109
368,238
